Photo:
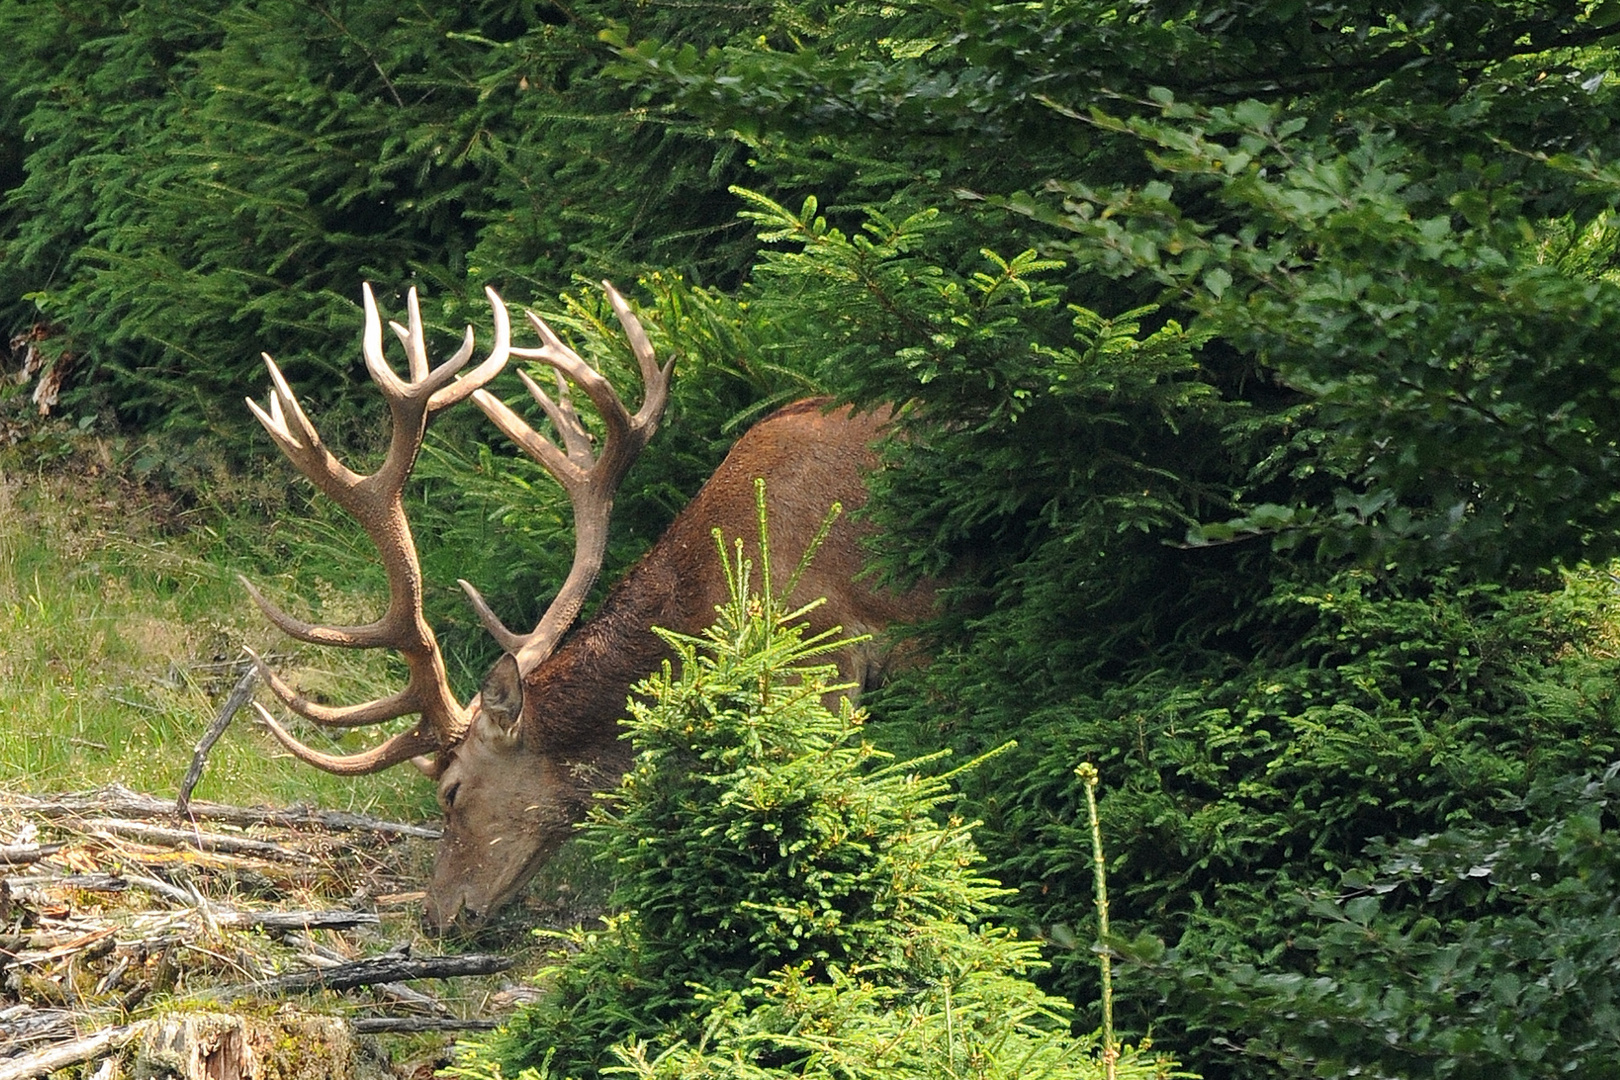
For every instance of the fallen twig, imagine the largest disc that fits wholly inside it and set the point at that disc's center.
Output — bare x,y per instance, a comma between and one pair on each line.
239,696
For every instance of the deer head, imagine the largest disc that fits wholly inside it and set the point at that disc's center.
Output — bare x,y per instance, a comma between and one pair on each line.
507,803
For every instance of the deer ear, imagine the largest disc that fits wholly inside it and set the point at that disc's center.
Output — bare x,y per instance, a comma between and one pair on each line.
502,696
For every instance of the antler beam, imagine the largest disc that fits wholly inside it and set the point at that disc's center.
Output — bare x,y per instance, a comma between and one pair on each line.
590,478
376,502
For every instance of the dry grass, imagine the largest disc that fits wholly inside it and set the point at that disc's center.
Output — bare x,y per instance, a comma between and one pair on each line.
118,638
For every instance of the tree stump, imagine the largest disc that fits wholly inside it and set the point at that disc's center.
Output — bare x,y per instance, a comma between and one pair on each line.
221,1046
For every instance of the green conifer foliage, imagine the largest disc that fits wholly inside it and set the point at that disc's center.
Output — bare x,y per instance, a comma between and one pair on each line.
791,901
188,185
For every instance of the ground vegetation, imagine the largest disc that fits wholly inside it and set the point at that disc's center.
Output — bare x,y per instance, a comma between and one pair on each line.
1258,368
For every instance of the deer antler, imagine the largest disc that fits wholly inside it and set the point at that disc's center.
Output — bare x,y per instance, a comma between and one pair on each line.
591,479
376,502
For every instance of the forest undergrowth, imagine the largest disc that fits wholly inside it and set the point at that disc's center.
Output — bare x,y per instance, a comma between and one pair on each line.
122,626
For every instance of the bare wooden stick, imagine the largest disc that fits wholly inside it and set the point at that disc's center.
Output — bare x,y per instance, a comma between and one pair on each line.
238,697
238,845
119,801
378,1025
283,921
46,880
21,854
46,1061
164,889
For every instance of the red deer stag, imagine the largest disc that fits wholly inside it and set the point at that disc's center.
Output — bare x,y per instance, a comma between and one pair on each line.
517,768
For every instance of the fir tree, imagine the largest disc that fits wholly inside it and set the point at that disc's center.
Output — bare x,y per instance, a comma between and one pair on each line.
791,901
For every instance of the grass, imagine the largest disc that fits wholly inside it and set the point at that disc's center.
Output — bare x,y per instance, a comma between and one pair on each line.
118,639
121,631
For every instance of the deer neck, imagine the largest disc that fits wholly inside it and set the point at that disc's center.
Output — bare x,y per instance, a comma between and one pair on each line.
576,697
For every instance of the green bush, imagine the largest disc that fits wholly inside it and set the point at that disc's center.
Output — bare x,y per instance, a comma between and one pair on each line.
1262,715
791,902
1239,788
186,185
1480,951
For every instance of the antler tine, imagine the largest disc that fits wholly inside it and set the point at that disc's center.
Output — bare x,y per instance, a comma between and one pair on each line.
591,480
654,379
291,430
469,384
345,716
376,503
402,747
504,637
414,340
367,636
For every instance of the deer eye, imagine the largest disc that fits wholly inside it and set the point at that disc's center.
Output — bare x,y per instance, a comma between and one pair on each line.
447,798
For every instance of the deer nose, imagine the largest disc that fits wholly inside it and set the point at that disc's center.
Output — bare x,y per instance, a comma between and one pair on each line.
452,914
442,914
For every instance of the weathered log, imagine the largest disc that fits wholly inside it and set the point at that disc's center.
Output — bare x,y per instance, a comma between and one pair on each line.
220,1046
51,1058
87,882
406,1025
203,1046
22,1024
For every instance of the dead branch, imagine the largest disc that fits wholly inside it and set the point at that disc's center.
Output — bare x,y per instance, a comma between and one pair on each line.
46,1061
239,696
212,842
117,800
394,1025
317,955
20,854
385,969
164,889
86,882
277,922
